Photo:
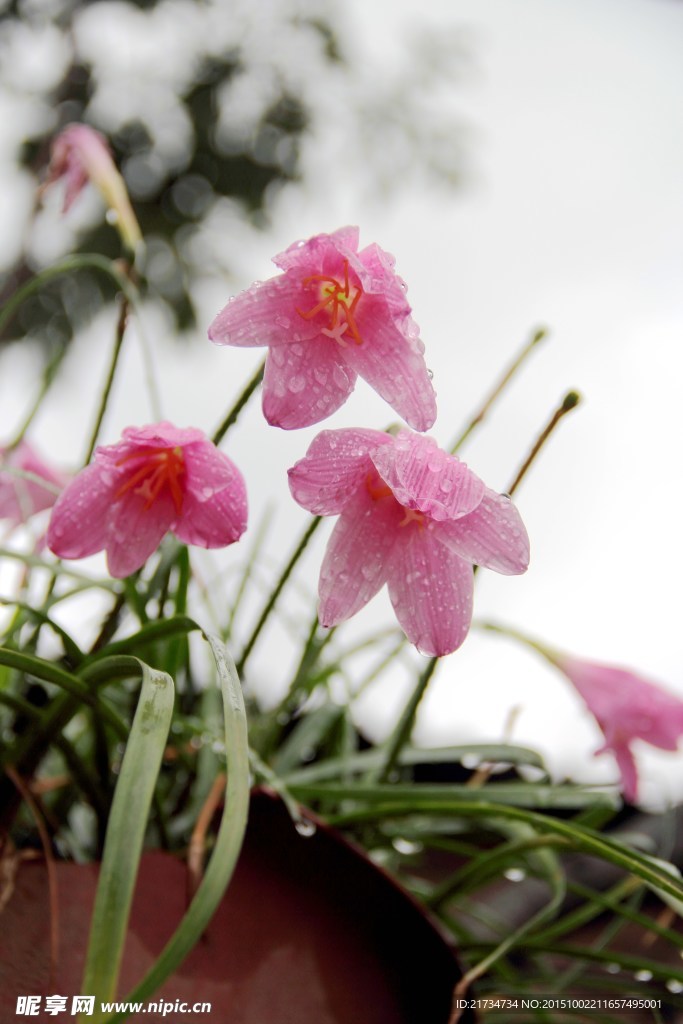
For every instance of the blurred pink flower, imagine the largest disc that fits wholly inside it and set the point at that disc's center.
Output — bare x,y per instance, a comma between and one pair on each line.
411,516
158,478
626,707
334,314
22,496
80,154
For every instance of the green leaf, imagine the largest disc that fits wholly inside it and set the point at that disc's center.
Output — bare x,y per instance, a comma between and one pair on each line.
228,840
125,834
369,760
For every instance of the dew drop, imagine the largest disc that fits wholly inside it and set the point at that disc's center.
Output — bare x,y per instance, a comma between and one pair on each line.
643,975
405,846
515,874
283,321
296,384
305,828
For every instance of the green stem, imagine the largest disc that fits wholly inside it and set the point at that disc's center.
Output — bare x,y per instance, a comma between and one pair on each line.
118,342
404,727
500,386
75,262
272,600
49,375
569,402
239,405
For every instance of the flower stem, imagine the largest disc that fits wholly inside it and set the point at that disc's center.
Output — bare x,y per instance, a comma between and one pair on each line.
239,405
118,342
569,402
403,728
270,604
538,335
77,262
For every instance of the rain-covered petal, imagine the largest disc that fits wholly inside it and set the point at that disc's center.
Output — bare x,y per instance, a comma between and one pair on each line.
303,386
334,467
214,510
431,591
346,310
493,535
424,477
265,314
313,254
134,531
355,563
392,361
78,522
157,478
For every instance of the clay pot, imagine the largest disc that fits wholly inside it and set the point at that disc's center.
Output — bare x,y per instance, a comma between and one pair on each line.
309,932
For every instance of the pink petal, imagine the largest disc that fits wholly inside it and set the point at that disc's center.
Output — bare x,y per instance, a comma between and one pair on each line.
214,511
391,360
311,254
379,277
134,532
424,477
492,535
355,563
628,771
431,591
265,314
79,518
303,384
334,467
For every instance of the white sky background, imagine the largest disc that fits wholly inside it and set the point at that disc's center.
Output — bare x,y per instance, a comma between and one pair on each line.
573,218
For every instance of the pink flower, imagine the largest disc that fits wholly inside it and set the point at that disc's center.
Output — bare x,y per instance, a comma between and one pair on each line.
22,496
413,517
334,313
627,708
158,478
81,154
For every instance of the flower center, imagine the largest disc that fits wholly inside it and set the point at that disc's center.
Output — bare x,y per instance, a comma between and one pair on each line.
158,468
378,489
340,301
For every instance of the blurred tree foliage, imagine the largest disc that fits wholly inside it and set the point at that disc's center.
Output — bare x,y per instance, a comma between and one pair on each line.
209,107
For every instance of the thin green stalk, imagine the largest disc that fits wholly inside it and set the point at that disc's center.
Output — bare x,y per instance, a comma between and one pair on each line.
49,375
500,386
76,262
239,405
479,870
279,586
569,402
404,727
581,838
104,401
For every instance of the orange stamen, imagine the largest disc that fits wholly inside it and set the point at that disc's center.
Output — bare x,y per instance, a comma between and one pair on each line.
160,468
340,299
376,487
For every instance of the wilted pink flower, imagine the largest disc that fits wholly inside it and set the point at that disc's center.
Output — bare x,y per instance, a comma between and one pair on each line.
22,496
413,517
158,478
81,154
626,707
334,313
